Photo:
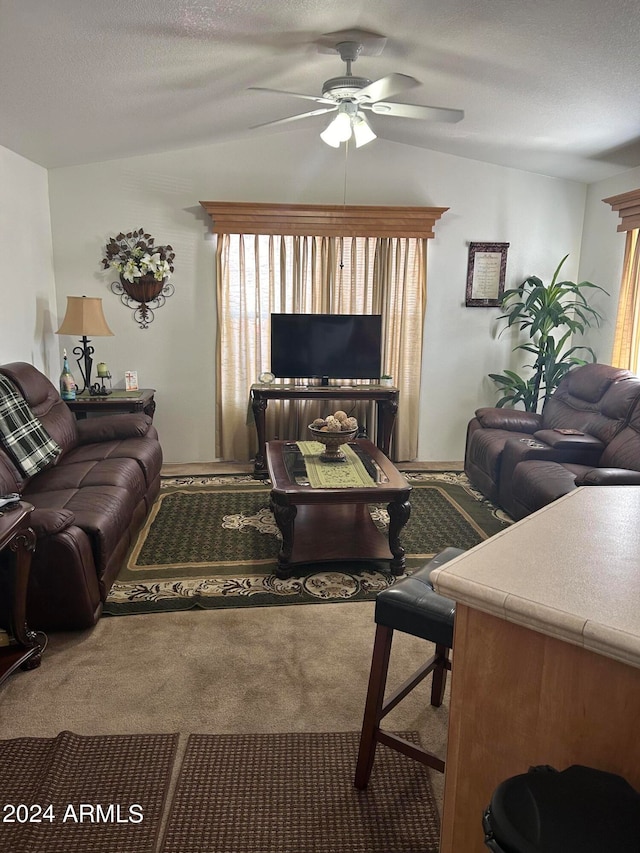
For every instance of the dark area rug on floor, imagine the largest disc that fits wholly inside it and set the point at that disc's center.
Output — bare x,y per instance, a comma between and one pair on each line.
84,793
293,793
212,542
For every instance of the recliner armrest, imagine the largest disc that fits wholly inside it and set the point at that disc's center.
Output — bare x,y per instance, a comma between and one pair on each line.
609,477
510,419
581,448
517,450
47,522
113,427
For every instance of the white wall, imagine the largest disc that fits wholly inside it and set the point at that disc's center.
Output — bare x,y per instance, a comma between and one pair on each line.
27,294
540,217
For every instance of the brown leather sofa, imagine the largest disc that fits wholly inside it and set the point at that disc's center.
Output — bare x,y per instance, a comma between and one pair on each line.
588,433
88,505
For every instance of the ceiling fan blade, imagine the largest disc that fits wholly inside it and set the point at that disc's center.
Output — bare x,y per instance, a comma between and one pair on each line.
319,100
414,111
295,118
387,87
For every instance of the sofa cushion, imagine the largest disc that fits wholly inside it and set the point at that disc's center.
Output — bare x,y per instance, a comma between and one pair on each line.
44,401
113,427
592,384
623,451
513,420
124,473
11,479
599,411
22,434
535,483
146,452
103,512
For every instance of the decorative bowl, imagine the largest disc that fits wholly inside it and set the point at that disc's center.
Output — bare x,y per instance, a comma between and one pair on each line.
332,442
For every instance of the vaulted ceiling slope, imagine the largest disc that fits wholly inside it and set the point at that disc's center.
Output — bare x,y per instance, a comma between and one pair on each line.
550,86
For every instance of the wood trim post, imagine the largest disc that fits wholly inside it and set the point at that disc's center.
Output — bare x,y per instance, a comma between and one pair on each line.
628,207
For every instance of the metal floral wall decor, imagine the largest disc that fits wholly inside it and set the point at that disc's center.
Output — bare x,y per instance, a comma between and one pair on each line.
144,271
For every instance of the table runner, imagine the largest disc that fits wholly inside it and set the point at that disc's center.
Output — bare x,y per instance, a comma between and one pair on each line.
350,474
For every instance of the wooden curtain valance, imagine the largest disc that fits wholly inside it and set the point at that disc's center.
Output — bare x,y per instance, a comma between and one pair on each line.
628,207
322,220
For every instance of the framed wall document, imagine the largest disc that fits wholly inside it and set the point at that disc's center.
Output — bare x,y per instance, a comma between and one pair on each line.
485,274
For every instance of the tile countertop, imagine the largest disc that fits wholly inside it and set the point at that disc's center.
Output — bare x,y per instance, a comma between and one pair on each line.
570,570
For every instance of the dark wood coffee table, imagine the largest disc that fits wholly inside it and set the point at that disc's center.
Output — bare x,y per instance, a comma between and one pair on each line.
334,524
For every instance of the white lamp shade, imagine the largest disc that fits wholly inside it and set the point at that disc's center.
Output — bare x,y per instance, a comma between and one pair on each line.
328,137
338,131
342,126
362,132
84,316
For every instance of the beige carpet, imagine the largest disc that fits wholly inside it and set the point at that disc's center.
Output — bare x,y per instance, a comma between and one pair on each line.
272,669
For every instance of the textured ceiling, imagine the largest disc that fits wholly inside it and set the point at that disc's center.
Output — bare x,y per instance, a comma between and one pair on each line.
549,86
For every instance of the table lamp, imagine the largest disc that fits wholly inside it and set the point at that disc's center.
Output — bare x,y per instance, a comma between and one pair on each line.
84,317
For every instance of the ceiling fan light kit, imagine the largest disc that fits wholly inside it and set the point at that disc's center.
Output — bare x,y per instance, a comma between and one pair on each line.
349,122
349,95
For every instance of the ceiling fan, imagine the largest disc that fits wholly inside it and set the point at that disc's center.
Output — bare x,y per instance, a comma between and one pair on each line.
351,96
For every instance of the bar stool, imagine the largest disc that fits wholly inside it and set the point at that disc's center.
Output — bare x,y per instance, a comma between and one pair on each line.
413,607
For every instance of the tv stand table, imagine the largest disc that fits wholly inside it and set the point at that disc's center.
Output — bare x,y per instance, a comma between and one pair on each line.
385,397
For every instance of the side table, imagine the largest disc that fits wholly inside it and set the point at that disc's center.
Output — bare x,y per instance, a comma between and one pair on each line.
115,403
15,535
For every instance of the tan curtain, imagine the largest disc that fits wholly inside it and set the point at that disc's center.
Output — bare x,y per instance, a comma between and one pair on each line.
626,342
258,275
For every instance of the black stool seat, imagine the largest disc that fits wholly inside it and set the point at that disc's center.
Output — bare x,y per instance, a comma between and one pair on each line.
413,607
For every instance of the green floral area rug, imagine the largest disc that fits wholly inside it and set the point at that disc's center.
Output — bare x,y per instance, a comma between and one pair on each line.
212,542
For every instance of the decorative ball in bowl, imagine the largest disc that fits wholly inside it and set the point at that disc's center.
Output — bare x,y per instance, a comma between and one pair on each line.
334,431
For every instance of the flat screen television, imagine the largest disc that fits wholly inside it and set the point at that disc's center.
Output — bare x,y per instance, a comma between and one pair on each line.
326,346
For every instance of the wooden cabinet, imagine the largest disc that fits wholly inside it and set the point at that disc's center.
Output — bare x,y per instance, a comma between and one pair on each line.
546,652
521,699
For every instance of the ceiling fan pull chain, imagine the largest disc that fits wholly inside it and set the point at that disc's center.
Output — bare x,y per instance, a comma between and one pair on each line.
344,201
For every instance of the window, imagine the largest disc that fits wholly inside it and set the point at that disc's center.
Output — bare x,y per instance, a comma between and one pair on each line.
284,269
626,343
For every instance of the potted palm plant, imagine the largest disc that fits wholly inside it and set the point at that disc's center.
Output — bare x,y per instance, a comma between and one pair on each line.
550,315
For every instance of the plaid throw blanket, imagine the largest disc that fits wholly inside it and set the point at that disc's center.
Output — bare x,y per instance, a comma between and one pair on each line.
22,434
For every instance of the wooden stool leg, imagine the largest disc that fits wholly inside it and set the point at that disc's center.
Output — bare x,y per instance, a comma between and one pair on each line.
439,677
373,705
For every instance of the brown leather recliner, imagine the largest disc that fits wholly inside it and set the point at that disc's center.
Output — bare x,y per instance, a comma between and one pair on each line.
88,505
523,460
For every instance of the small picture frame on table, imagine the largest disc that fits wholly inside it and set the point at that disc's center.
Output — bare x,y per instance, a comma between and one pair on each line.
131,380
485,274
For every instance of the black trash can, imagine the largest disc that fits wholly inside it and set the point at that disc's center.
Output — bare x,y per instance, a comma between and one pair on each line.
577,810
